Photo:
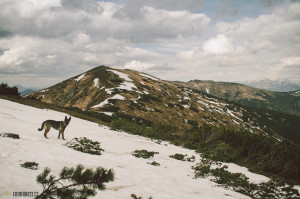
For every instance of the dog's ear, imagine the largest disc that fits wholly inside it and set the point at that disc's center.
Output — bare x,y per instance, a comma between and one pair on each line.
66,118
70,118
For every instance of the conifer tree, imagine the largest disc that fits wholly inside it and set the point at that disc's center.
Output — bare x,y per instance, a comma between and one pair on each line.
78,183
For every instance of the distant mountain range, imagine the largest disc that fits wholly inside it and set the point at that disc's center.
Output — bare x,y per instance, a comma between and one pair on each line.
25,91
274,85
140,97
288,102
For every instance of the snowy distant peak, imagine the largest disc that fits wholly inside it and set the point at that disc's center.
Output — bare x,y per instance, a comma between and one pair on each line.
280,85
25,91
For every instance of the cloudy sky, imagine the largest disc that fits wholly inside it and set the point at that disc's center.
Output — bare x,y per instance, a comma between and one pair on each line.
43,42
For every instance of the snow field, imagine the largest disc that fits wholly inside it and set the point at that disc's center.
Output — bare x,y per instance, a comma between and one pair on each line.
172,179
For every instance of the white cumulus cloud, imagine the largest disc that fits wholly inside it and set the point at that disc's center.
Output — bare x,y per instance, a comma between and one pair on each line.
218,45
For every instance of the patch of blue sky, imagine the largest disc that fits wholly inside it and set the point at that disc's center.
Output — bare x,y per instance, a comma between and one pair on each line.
233,10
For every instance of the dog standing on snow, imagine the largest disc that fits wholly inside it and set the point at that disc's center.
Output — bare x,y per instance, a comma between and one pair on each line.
58,125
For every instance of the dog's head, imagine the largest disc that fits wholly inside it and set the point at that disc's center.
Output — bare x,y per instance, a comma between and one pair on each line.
67,121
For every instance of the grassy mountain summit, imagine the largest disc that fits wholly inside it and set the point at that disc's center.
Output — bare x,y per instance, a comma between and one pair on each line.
288,102
132,95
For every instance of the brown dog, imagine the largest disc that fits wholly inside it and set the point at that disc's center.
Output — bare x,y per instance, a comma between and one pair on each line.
58,125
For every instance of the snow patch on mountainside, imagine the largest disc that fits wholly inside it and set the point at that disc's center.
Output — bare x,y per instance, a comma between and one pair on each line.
118,97
121,75
127,84
96,82
45,90
148,76
232,115
207,90
80,77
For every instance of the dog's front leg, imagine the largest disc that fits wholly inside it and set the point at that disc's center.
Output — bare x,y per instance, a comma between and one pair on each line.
59,132
63,135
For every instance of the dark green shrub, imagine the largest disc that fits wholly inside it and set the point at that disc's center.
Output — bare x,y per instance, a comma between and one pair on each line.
223,152
170,105
110,108
201,171
10,135
194,109
157,110
112,101
85,145
78,183
30,165
154,163
180,106
6,90
178,156
191,159
193,123
144,154
134,196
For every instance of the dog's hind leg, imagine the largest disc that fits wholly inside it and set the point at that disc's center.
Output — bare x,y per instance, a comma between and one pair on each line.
47,129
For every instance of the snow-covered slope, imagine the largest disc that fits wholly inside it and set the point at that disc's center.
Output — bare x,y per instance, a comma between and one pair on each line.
172,179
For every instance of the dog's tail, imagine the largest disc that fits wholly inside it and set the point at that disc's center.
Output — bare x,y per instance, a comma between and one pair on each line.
42,127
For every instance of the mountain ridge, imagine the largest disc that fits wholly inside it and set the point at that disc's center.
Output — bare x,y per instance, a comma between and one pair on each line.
279,85
135,95
288,102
